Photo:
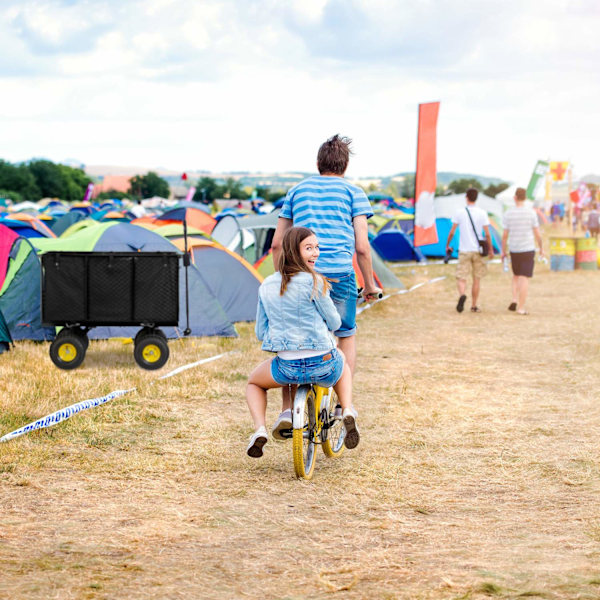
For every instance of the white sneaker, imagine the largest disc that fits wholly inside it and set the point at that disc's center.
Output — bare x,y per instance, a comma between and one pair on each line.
283,425
352,436
258,439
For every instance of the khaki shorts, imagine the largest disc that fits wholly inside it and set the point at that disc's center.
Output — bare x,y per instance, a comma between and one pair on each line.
470,262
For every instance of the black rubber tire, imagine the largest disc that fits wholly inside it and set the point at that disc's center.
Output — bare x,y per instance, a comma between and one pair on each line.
151,351
67,351
140,333
84,337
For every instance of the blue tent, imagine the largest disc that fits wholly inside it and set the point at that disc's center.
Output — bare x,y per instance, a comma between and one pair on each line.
65,221
395,245
443,227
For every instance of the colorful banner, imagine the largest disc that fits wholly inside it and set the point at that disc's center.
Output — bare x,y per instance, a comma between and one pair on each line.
539,173
426,176
558,170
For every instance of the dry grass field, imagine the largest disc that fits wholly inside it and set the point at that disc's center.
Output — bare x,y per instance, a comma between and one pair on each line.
477,476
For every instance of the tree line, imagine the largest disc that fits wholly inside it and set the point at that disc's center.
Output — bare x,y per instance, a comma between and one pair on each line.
38,179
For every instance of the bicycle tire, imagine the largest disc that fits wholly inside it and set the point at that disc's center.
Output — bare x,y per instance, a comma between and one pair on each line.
303,442
335,433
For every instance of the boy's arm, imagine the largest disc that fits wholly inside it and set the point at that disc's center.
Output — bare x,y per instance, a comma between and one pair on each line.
363,255
283,225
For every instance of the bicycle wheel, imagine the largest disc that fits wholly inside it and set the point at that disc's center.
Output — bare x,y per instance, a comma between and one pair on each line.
303,436
333,425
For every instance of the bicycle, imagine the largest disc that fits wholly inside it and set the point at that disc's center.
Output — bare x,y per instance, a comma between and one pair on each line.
316,420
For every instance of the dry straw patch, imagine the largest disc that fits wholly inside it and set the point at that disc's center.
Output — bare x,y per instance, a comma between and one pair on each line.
477,475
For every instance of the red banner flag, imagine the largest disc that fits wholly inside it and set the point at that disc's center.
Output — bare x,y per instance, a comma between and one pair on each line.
426,176
184,177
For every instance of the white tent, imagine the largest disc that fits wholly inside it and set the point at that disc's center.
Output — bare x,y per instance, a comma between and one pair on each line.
447,206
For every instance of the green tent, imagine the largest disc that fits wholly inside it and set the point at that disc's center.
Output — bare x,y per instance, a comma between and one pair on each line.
5,339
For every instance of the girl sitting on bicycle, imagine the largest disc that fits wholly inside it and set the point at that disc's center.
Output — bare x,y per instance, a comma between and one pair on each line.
296,319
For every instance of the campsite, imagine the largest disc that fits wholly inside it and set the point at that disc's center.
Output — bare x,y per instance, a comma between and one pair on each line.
298,300
477,475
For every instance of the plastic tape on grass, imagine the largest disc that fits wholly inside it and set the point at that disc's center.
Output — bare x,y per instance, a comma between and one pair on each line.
66,413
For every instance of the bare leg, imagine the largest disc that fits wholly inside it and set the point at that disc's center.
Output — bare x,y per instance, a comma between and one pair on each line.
343,388
347,346
523,289
461,284
515,289
286,398
475,290
259,382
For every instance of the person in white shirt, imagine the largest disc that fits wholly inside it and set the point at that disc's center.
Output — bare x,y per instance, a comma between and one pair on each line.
471,221
521,232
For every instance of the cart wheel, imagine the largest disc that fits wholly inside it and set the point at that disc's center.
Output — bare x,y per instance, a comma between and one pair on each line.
67,351
151,351
84,338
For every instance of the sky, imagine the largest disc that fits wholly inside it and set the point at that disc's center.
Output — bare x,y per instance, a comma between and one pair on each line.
258,85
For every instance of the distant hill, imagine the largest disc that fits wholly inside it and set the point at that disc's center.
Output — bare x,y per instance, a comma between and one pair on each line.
283,180
445,177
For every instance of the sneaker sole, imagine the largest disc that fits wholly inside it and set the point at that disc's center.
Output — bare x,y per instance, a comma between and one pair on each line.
256,450
352,436
285,425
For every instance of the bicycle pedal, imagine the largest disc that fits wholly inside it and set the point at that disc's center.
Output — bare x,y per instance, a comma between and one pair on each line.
286,433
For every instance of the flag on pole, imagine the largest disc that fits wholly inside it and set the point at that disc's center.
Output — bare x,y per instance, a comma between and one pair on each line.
558,170
190,194
539,172
426,175
88,192
184,177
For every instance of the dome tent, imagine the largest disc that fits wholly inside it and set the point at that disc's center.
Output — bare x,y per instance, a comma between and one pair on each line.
207,316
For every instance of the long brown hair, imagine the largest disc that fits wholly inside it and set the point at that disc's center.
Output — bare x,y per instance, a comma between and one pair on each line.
290,260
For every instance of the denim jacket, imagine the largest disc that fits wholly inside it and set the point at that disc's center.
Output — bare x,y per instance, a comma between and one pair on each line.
300,319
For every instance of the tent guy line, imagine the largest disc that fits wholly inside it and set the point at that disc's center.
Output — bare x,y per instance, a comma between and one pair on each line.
66,413
365,306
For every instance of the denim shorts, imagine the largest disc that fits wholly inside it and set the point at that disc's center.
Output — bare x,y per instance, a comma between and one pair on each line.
344,296
309,370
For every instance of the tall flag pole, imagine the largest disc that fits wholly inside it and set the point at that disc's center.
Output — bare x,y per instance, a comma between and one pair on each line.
426,175
539,172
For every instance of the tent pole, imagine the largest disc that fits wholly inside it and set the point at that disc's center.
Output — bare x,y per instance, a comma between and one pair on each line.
186,264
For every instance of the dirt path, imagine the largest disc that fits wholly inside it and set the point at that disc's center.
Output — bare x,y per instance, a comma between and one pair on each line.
477,474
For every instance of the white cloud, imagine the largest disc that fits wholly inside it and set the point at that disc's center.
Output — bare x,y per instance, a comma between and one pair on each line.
258,84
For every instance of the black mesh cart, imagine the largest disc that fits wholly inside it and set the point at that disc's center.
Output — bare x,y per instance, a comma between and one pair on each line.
82,290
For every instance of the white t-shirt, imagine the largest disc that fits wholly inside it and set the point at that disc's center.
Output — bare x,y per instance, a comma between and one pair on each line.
467,240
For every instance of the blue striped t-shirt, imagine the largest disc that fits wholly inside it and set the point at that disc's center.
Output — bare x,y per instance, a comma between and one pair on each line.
327,204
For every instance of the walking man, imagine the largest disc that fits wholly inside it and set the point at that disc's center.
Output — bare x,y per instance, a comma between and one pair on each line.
337,211
470,221
521,232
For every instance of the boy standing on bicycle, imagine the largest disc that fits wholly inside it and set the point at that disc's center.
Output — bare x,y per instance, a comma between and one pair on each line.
337,212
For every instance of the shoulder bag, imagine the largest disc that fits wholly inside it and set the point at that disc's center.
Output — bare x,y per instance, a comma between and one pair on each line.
483,245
